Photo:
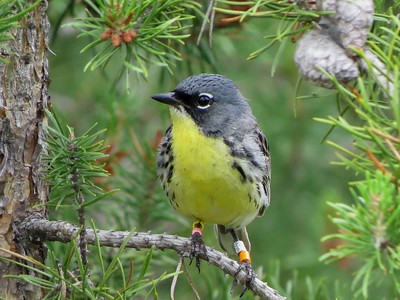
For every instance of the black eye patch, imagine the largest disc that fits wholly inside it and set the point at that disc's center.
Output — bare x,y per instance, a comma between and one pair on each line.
182,97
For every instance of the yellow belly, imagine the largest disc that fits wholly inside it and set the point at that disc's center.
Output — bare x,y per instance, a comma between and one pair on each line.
204,184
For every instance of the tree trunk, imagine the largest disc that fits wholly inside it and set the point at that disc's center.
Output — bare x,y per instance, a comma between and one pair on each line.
24,84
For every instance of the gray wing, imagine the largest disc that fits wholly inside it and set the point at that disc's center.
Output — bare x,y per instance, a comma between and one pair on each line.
253,148
266,177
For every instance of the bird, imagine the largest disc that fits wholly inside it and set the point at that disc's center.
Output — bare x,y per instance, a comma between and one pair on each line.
214,163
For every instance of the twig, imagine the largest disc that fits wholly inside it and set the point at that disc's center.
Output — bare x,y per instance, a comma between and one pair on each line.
81,218
385,135
209,17
44,230
75,178
190,281
393,149
381,167
175,278
376,162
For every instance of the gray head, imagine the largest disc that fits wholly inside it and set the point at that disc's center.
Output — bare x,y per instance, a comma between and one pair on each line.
213,101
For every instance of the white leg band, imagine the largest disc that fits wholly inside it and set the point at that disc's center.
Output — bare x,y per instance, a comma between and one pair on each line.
239,247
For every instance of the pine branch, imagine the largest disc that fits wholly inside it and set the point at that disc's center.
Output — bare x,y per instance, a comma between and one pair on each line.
60,231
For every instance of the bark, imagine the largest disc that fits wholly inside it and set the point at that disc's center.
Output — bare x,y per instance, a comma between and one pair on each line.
45,230
23,97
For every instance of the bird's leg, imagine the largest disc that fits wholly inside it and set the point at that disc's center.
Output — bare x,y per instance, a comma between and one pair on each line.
245,262
197,248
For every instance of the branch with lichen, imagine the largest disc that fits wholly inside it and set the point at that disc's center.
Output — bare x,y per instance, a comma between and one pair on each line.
60,231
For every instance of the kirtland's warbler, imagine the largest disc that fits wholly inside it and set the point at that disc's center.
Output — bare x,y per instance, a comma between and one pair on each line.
214,163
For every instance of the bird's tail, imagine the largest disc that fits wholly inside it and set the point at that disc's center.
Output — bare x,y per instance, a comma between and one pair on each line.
226,240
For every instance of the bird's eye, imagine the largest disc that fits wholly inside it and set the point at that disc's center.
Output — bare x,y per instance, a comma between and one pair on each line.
204,100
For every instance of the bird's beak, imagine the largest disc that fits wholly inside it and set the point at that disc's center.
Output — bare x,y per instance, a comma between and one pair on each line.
167,98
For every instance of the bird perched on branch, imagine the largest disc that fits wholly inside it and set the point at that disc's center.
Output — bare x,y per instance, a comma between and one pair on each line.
214,163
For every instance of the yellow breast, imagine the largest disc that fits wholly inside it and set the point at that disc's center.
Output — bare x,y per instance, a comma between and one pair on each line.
205,185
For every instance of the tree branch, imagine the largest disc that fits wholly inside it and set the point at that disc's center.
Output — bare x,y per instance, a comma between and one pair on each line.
60,231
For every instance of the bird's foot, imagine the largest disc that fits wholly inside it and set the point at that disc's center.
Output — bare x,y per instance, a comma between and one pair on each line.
245,265
250,276
197,248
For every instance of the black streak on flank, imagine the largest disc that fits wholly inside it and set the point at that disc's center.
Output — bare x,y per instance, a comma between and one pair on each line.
170,172
265,182
240,169
228,143
258,190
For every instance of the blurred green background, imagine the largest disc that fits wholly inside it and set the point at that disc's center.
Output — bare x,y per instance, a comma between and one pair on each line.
286,241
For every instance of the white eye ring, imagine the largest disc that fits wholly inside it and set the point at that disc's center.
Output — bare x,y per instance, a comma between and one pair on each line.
204,100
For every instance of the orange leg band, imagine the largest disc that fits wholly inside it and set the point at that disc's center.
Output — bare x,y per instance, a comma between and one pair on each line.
244,256
197,227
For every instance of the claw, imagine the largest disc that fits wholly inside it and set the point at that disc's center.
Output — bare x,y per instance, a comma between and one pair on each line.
250,275
197,248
